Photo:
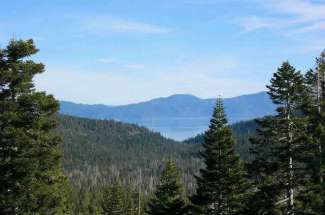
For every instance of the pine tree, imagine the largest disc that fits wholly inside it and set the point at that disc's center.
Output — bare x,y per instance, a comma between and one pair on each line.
221,186
131,202
168,197
31,179
287,90
320,116
263,169
283,139
114,200
86,202
313,195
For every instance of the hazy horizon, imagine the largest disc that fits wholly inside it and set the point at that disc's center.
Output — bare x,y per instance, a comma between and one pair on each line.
163,97
122,52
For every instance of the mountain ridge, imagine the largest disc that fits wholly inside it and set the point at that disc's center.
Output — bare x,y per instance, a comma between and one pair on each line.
161,98
177,116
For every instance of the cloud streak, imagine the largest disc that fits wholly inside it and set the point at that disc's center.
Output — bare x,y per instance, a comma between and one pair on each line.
107,60
297,16
121,63
202,78
304,10
106,25
253,23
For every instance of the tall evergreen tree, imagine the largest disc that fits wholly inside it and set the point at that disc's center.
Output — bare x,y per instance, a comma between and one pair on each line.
287,90
119,200
320,124
169,195
281,141
313,195
221,186
31,179
86,202
320,132
314,109
263,169
113,200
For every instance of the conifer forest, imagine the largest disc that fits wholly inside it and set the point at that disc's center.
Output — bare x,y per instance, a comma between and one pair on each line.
59,164
187,107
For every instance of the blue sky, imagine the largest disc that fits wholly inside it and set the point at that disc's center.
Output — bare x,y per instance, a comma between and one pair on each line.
122,51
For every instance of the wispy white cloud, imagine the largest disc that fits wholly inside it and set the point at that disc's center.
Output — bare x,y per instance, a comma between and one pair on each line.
121,63
213,2
253,23
201,2
318,26
135,66
106,25
204,78
297,16
107,60
304,10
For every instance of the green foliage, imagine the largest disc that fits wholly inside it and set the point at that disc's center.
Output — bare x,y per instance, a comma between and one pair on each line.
279,166
263,168
117,200
169,195
31,179
312,197
242,132
221,186
285,157
85,201
113,200
96,152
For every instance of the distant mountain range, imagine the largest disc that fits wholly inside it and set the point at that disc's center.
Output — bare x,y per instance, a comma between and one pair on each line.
178,116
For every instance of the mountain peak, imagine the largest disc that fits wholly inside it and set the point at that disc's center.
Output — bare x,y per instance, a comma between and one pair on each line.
182,96
178,116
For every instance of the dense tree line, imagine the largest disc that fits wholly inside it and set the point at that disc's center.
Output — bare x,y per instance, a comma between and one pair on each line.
31,180
96,152
117,168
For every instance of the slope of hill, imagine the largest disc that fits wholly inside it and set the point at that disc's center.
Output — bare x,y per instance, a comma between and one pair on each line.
177,116
98,151
242,132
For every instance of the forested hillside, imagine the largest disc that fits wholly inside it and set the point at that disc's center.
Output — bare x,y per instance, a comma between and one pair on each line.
242,131
274,165
98,151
